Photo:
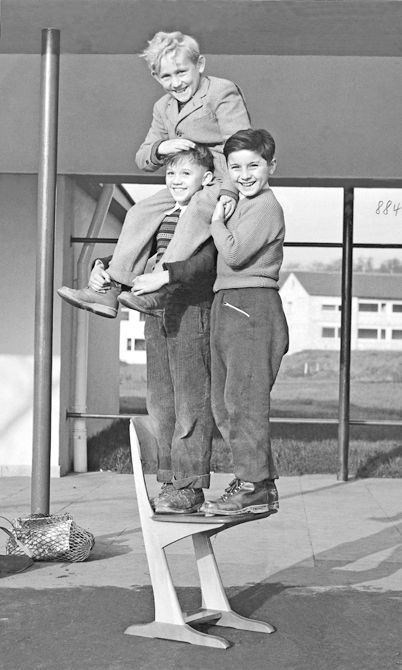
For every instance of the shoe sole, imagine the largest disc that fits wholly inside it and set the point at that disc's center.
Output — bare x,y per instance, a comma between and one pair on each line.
166,510
94,307
251,509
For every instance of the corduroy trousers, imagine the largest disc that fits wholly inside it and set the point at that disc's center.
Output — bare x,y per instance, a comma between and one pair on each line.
179,393
249,337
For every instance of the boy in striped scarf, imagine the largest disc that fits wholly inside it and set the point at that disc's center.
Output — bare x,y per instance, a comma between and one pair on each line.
177,345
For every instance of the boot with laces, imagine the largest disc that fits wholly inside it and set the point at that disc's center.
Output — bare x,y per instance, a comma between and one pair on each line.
180,501
242,497
102,303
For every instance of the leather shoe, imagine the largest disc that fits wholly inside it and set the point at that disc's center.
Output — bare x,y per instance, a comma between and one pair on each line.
242,497
180,501
103,304
147,303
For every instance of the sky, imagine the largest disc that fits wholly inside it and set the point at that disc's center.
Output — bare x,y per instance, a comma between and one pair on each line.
316,215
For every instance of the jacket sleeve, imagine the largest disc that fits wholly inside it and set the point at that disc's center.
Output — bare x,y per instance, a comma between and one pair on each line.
232,115
146,156
200,268
231,111
106,261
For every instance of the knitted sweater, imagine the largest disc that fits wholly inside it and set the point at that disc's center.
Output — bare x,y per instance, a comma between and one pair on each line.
250,244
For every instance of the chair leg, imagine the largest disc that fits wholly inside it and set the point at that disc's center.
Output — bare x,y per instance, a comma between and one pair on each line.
213,593
169,620
183,633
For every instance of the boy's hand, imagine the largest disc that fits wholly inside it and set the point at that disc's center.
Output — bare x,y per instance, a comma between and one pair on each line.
229,205
152,281
99,279
219,212
174,146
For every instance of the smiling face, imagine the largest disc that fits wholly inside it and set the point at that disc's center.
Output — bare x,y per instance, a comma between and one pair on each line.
249,171
179,75
184,178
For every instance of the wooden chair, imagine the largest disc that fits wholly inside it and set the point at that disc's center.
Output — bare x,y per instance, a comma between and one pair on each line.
161,530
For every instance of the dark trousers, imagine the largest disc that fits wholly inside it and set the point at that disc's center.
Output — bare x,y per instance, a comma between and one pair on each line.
179,393
249,336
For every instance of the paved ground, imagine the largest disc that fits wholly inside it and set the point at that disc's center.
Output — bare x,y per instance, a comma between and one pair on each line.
326,571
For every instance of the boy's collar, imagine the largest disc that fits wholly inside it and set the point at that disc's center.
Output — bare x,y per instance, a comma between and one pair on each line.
177,206
196,100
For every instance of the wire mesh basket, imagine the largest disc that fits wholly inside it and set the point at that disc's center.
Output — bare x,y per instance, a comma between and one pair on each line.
53,537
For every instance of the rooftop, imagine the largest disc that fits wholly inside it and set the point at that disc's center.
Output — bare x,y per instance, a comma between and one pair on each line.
364,284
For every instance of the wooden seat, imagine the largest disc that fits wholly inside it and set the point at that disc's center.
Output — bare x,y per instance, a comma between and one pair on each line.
161,530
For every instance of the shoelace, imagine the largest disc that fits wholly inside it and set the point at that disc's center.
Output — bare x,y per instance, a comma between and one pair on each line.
233,487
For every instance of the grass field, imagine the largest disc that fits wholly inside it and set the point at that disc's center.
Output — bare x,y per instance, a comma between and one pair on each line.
307,387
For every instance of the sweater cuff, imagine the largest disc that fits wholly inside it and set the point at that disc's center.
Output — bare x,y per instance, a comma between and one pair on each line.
154,153
231,194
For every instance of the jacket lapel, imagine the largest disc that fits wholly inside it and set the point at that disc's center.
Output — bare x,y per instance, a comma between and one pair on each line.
172,110
196,101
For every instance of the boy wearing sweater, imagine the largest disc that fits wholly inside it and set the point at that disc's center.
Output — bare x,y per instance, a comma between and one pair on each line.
249,334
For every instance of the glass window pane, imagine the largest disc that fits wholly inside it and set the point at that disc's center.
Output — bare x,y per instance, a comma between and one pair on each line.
139,345
367,333
368,307
328,332
377,215
311,215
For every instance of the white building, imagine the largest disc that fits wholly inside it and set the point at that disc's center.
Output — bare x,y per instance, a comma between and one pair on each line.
132,342
312,303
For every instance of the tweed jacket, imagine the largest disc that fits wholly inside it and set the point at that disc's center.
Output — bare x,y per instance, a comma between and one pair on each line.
216,111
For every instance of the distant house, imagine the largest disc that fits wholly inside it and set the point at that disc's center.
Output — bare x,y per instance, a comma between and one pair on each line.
312,303
132,342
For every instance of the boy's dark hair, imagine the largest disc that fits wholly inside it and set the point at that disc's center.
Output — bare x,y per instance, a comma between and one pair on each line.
259,140
200,155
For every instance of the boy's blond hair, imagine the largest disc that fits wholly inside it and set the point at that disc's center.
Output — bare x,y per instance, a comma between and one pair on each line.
164,43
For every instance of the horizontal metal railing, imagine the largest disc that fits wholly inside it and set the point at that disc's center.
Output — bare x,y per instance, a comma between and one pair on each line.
274,419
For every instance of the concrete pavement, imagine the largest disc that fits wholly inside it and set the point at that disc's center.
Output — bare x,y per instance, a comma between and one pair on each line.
326,571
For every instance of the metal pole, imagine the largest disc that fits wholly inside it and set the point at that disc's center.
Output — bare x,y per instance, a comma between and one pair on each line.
47,173
344,371
79,431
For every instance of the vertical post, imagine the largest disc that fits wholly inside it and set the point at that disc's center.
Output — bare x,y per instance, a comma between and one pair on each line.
344,371
79,431
47,171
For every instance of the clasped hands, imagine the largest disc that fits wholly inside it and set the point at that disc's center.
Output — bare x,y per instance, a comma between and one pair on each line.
99,280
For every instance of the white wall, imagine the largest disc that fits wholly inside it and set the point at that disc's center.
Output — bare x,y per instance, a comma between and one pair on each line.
296,305
18,195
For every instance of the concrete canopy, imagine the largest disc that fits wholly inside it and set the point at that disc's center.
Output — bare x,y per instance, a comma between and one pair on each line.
323,75
253,27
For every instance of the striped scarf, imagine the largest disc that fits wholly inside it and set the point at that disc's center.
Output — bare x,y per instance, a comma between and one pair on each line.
166,232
